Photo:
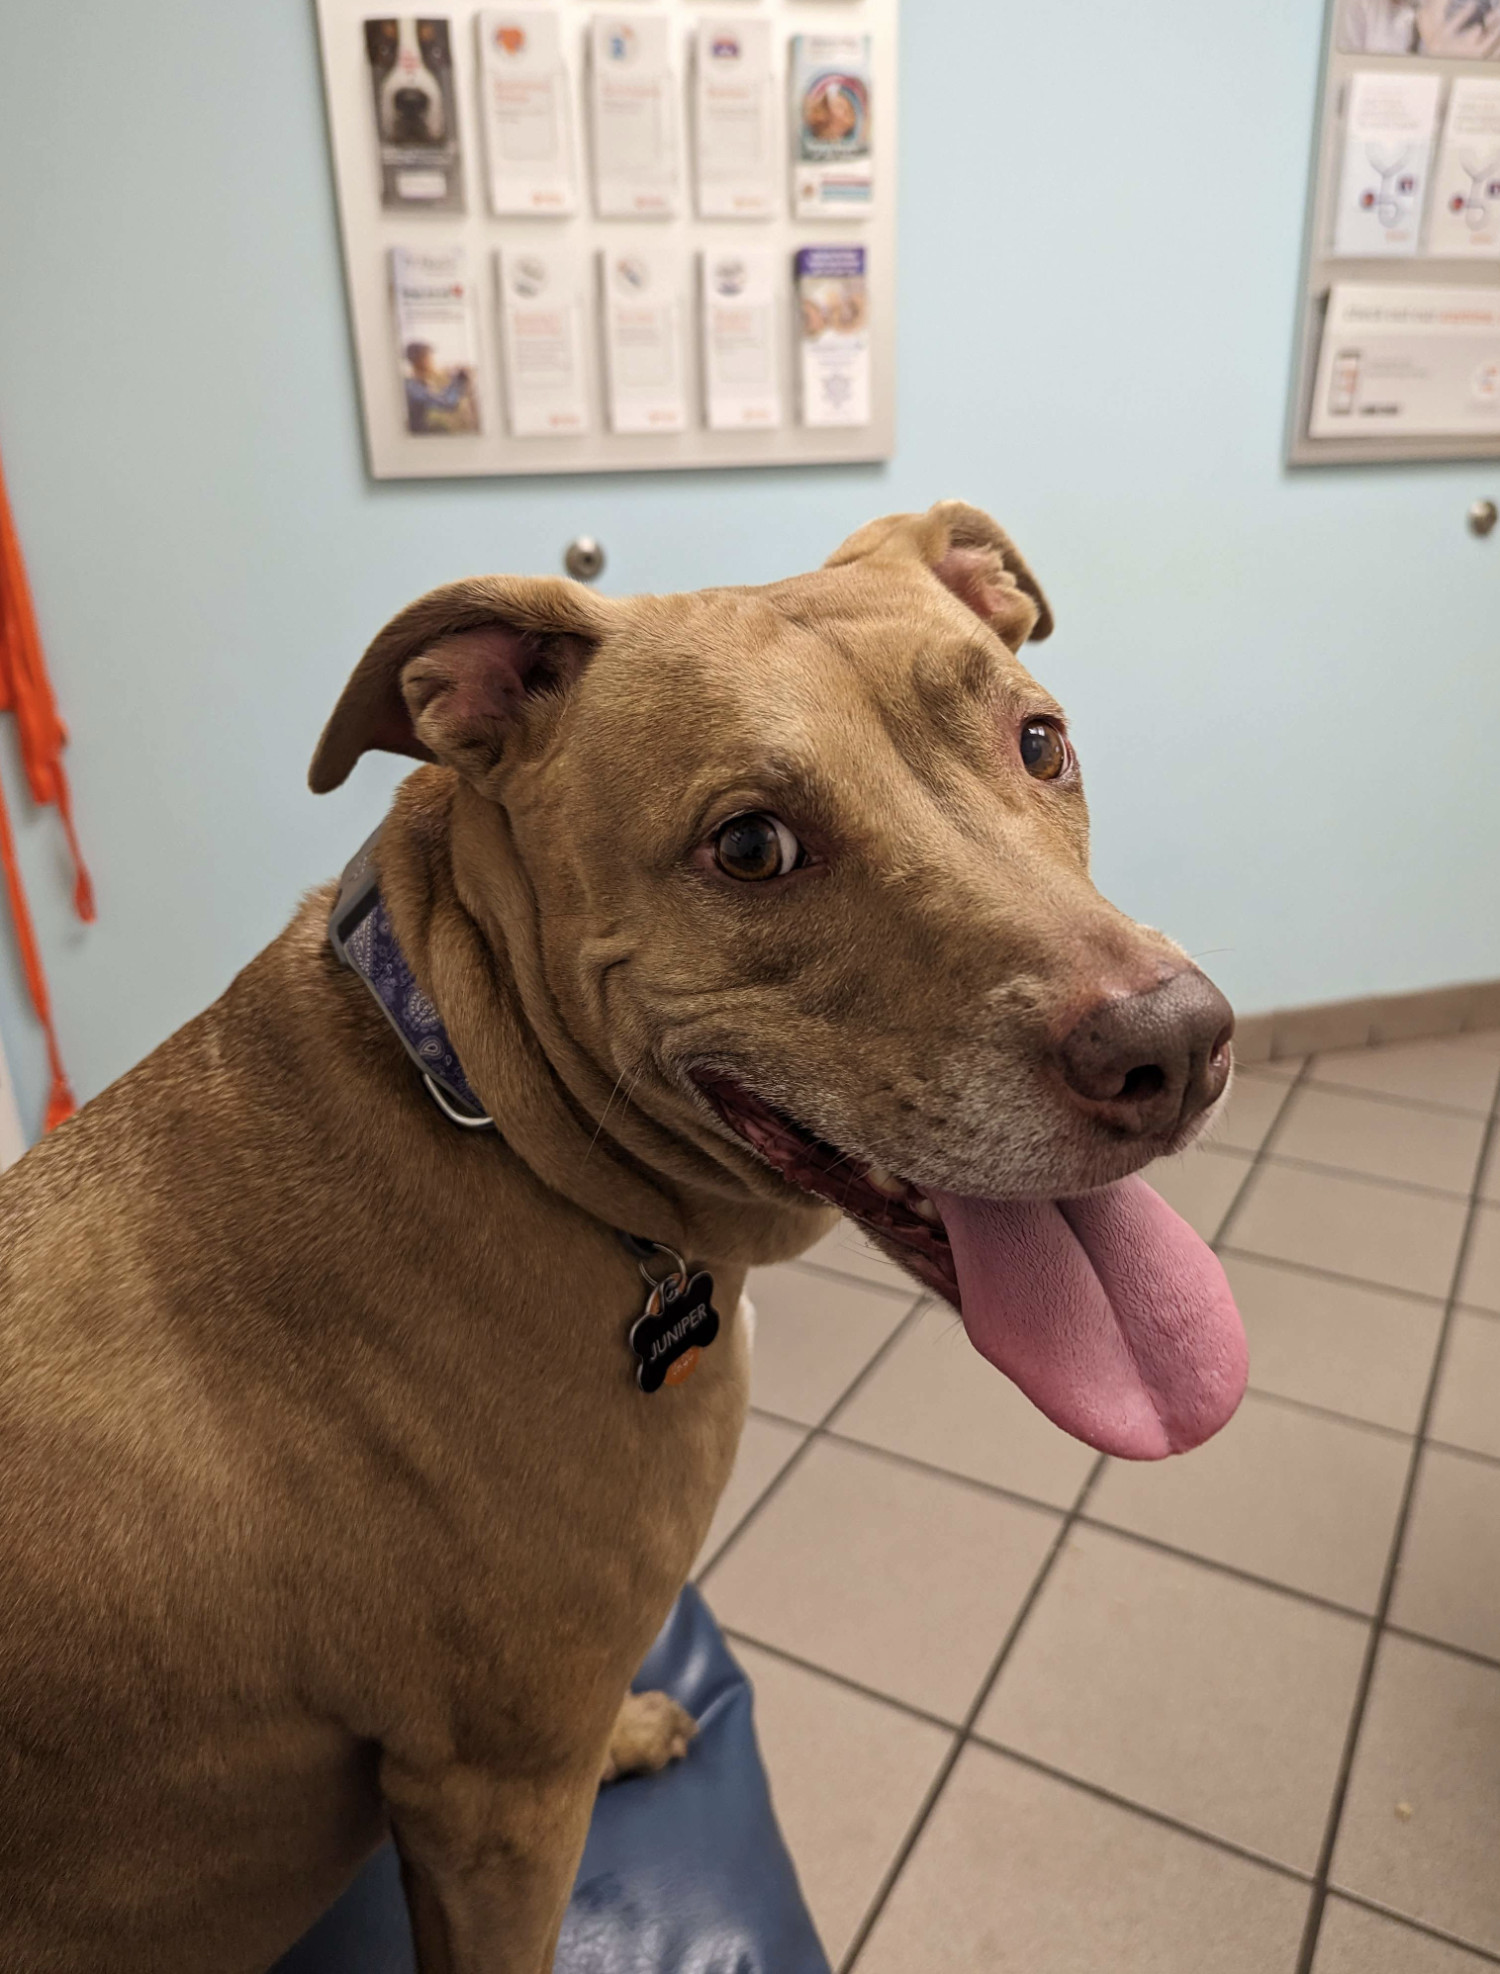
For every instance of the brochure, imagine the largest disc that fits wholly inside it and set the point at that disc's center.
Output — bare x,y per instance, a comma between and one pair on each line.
416,114
1459,27
1388,140
643,352
833,175
1378,27
528,114
739,322
734,120
542,342
1465,218
633,104
833,302
437,335
1409,362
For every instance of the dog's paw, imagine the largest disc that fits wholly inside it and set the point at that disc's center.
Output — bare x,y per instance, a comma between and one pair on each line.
651,1732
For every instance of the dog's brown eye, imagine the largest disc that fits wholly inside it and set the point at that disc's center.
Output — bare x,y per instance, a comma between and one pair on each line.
754,848
1043,750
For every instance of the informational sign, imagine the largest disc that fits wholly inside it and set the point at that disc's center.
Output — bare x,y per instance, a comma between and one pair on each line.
1419,362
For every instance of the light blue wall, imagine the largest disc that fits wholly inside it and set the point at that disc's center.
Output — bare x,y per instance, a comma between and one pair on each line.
1286,689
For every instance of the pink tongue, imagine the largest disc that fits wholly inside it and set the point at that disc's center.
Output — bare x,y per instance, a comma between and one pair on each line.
1108,1312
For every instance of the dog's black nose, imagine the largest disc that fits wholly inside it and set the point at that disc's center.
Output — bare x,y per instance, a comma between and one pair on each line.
1147,1064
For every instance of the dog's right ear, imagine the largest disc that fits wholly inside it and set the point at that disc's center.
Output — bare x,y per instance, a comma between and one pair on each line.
448,678
971,556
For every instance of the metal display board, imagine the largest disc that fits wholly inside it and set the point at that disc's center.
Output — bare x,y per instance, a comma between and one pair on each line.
1454,43
673,246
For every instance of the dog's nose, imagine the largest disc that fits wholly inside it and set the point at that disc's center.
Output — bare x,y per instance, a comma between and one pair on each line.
1147,1064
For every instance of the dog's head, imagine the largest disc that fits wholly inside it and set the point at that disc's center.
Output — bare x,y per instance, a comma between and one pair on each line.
810,865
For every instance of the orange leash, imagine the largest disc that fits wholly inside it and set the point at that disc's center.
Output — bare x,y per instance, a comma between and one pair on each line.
26,691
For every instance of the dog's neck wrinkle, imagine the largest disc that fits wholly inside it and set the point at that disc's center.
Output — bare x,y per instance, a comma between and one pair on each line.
467,919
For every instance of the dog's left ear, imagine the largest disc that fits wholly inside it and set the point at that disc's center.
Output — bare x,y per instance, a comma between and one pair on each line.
972,556
449,678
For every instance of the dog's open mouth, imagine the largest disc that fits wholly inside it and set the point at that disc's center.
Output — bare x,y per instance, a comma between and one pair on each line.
1107,1310
904,1220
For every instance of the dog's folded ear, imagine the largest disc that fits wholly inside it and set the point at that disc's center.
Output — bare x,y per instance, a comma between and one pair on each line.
448,678
971,555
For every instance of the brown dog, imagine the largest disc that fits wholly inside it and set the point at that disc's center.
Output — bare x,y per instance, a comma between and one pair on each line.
330,1498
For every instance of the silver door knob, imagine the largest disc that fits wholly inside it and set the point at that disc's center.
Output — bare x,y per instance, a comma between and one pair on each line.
1482,518
584,559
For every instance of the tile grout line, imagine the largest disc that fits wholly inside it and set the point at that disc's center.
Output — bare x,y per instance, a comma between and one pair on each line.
849,1280
1226,1845
1260,1158
1421,1926
965,1735
840,1679
1318,1904
1228,1250
1425,1104
1318,1168
814,1434
1468,1653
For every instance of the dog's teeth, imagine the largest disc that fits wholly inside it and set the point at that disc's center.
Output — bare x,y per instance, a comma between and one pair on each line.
924,1207
885,1182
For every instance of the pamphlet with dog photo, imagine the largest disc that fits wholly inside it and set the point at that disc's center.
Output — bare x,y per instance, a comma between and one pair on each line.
437,335
416,113
834,304
833,176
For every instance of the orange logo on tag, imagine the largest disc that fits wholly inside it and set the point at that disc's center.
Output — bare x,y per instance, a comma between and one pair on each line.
512,39
684,1368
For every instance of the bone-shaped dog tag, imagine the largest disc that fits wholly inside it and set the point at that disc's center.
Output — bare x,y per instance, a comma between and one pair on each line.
679,1325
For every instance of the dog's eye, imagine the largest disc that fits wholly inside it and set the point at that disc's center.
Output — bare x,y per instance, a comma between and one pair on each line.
1043,750
754,848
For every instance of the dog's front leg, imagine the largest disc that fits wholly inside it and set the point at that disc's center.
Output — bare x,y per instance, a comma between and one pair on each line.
488,1862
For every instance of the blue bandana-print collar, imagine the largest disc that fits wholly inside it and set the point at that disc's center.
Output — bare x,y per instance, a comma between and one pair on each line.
361,933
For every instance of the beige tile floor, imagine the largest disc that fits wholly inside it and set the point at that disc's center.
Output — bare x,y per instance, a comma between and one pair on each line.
1026,1709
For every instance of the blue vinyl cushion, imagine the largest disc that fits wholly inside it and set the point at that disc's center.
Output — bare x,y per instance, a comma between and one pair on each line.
684,1872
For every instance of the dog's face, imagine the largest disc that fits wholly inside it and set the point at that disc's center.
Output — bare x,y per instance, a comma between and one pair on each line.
811,875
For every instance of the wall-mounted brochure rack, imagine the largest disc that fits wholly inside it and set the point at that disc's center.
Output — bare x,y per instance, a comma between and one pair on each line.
585,240
1398,345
